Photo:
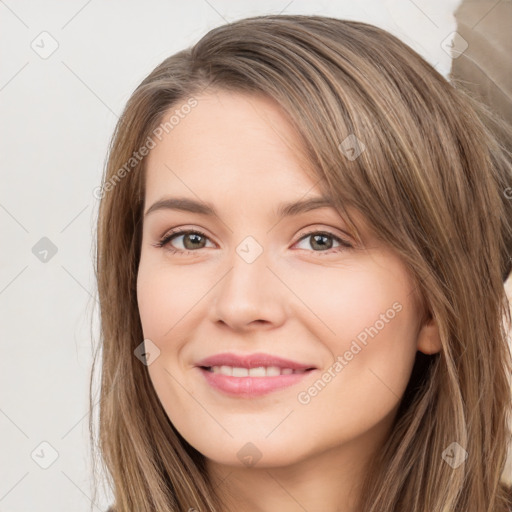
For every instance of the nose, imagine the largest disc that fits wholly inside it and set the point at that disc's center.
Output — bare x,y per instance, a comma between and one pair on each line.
249,296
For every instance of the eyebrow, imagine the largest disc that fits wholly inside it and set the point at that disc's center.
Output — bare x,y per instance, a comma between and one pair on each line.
203,208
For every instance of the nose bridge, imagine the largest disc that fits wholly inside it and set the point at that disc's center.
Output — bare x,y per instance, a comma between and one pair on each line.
249,291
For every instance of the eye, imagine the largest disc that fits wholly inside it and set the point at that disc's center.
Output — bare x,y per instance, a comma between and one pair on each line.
192,240
323,240
320,241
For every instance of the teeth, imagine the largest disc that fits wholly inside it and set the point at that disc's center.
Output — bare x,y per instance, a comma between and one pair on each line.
261,371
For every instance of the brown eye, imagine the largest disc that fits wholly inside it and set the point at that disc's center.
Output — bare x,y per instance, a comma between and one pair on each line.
322,241
195,241
191,240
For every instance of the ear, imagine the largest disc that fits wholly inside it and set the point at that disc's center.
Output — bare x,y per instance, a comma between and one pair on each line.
429,340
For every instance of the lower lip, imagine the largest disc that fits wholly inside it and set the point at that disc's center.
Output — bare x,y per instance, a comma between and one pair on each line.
252,386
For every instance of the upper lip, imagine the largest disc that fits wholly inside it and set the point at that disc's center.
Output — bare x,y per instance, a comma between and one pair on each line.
251,361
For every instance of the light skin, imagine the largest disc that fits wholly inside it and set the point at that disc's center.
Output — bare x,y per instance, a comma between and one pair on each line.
305,298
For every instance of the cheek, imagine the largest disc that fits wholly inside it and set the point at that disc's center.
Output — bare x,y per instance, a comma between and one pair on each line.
345,302
154,300
165,295
367,321
165,301
172,303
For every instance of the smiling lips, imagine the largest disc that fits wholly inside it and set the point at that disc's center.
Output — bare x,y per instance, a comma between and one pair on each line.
251,375
252,361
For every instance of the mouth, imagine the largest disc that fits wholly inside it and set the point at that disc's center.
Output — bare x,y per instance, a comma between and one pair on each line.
252,365
252,383
258,371
251,375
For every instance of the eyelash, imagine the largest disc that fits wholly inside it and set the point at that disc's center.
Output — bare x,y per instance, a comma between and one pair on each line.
165,241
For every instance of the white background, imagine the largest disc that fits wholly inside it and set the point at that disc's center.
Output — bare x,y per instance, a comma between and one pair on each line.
57,115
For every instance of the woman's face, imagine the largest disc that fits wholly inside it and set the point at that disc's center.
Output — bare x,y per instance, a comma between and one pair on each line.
255,281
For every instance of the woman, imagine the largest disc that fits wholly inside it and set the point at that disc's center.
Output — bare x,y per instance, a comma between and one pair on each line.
302,241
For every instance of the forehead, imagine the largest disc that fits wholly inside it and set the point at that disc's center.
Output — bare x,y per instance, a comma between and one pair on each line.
227,140
239,153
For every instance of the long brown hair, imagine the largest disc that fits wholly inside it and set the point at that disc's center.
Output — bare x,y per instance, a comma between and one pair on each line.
431,182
